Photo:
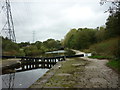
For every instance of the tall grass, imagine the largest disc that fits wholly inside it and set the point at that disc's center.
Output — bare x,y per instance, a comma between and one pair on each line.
110,47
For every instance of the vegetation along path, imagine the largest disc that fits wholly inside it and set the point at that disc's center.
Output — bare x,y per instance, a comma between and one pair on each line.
79,73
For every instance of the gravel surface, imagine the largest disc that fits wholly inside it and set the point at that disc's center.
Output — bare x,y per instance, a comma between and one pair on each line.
98,75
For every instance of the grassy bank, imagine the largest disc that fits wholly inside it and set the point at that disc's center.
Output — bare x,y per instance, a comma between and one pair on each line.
114,64
99,57
67,74
108,48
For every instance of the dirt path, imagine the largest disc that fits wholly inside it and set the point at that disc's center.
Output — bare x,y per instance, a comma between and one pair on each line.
97,74
76,73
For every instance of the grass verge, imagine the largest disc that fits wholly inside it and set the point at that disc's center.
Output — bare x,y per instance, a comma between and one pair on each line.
105,48
68,74
114,64
100,57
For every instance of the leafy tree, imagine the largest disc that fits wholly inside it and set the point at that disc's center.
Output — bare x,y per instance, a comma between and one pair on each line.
38,44
112,25
113,21
100,34
86,37
80,39
23,44
9,47
69,38
31,50
52,44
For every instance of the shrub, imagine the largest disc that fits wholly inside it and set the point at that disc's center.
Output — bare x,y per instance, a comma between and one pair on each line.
108,47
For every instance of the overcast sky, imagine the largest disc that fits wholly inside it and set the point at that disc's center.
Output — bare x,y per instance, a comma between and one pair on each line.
54,18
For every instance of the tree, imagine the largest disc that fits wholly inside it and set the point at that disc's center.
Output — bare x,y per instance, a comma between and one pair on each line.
52,44
100,34
69,38
31,51
38,44
9,47
84,38
112,25
80,39
23,44
115,5
113,21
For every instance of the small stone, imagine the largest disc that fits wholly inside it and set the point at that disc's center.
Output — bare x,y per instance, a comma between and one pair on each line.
77,65
20,84
64,74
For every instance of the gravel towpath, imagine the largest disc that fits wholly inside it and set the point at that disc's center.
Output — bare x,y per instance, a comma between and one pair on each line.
97,74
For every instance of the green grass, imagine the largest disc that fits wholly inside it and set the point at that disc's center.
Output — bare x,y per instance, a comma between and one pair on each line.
114,64
67,68
108,47
99,57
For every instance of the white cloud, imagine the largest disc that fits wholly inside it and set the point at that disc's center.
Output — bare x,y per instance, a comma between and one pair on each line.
78,13
54,18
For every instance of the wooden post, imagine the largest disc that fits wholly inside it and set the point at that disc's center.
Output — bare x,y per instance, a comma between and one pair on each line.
30,66
27,66
43,62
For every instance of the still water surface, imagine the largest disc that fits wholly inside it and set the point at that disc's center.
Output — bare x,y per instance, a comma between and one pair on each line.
26,78
22,79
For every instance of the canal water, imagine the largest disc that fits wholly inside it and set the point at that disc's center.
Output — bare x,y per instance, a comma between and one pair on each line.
60,51
24,77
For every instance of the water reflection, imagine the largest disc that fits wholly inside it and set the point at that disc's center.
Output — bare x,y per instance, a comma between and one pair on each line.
22,79
26,67
23,75
9,80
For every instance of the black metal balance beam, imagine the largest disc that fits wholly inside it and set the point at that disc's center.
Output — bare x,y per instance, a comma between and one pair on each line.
80,55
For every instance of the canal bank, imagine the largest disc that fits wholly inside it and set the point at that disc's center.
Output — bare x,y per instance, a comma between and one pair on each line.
41,81
79,73
60,74
8,63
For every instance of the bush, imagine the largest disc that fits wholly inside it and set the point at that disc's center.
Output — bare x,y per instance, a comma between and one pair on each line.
108,47
20,53
69,52
86,51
